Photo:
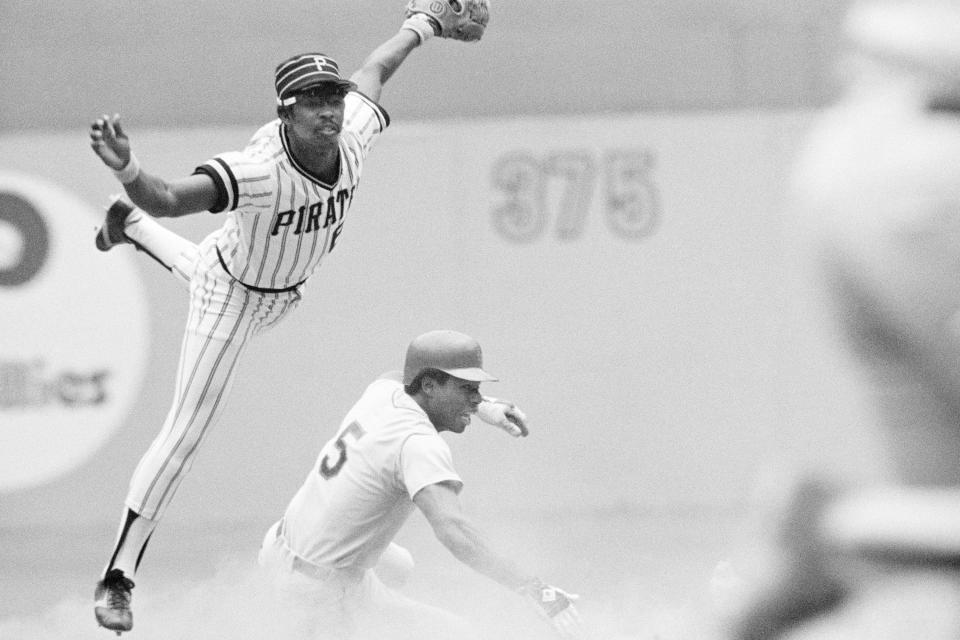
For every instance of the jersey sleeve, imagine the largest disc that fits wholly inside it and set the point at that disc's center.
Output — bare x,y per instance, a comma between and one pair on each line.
425,460
241,181
363,120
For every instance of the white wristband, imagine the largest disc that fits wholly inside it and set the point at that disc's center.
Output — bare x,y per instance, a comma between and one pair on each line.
130,172
421,25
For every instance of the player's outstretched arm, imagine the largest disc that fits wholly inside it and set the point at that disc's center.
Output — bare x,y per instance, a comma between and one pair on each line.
152,194
464,20
383,61
440,504
806,580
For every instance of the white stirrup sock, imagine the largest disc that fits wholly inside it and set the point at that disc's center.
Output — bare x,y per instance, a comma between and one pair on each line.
173,251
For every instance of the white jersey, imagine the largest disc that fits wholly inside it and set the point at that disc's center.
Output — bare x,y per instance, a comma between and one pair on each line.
282,220
360,491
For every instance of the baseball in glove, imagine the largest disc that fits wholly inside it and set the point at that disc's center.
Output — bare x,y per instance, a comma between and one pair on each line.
457,19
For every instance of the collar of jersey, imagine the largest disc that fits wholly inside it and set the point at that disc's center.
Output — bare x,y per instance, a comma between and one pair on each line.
302,169
403,401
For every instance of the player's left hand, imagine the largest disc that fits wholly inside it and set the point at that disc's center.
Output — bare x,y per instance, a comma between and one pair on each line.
505,415
464,20
556,605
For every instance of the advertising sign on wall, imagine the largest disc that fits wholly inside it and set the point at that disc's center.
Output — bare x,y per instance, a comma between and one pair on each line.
73,333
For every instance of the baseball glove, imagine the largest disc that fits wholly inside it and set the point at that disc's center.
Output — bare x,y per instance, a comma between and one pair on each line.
457,19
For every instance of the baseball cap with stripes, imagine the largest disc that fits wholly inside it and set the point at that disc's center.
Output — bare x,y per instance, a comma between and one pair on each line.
306,70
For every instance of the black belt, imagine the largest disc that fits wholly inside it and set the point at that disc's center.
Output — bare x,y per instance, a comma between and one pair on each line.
250,286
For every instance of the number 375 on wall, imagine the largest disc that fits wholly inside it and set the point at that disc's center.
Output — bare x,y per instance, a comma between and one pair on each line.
559,187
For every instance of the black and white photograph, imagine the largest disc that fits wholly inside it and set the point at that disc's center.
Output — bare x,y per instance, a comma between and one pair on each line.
480,320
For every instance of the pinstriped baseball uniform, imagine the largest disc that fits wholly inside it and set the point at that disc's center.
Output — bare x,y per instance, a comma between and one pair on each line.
282,221
246,275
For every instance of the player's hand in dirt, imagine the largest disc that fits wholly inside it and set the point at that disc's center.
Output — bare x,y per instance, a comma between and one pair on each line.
556,605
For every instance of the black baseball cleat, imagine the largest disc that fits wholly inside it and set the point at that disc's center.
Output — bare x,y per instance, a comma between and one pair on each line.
110,234
112,606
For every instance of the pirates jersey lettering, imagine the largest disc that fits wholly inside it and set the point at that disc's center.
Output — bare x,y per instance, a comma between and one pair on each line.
282,220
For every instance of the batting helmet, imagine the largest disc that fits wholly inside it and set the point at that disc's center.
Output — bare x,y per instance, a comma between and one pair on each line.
449,351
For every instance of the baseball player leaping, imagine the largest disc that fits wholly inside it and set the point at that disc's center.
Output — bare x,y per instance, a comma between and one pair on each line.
285,198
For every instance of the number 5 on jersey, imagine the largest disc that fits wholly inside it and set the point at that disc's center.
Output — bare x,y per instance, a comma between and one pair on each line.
328,470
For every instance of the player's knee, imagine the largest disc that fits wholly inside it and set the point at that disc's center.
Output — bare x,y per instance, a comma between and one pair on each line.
395,566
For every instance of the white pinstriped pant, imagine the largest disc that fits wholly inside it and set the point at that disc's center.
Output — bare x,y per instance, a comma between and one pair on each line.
222,318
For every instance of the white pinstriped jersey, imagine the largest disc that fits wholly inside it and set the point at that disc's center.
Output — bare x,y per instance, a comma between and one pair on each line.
360,491
282,220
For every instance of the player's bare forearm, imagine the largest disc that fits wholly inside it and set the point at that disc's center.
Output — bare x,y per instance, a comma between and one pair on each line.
886,293
470,547
171,200
154,195
440,505
383,61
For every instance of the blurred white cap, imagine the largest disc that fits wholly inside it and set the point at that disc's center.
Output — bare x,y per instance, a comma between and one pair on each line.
924,34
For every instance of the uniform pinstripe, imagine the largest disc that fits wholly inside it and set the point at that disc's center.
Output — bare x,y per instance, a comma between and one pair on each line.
281,223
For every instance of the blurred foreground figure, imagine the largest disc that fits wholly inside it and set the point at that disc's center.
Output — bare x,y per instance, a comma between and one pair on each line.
878,185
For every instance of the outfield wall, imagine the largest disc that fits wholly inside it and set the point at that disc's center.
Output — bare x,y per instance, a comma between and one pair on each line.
634,281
